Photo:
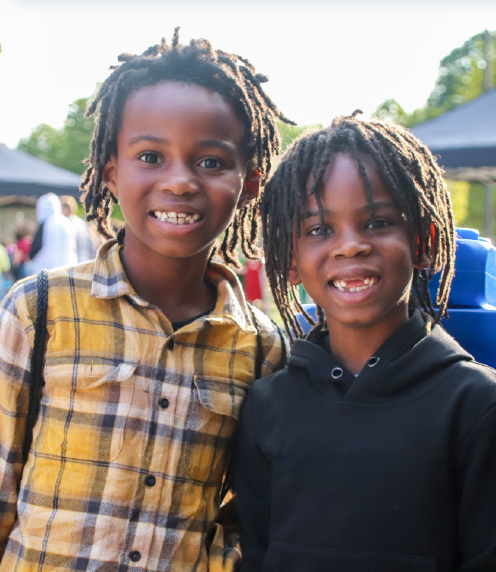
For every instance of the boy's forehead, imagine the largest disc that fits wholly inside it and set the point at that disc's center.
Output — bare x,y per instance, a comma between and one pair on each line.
342,179
169,106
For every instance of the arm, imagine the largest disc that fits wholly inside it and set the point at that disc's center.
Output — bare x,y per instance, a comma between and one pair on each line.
15,350
253,491
477,497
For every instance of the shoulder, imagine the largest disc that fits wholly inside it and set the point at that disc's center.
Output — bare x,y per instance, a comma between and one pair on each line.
273,341
265,325
270,389
476,382
21,300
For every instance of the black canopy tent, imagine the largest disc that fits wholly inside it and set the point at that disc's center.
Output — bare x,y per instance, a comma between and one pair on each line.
24,175
465,141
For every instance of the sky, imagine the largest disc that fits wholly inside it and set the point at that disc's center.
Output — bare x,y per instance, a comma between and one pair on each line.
323,57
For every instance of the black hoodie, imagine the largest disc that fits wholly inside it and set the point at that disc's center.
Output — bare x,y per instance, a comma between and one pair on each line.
390,471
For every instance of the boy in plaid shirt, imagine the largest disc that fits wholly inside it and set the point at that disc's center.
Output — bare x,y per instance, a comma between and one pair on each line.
151,347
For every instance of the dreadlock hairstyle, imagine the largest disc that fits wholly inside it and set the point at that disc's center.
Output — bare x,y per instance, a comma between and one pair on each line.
410,173
231,76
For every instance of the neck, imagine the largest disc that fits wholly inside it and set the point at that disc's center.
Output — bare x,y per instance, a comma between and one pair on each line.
175,285
354,345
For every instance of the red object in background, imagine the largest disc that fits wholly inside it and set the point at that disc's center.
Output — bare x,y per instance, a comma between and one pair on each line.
24,245
253,281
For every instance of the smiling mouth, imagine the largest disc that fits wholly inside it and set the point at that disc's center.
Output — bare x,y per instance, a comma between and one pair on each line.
175,217
354,284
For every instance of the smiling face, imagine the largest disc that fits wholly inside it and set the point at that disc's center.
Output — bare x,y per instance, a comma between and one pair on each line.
358,272
180,171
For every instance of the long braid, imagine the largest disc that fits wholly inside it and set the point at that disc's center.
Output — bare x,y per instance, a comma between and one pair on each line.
409,172
198,63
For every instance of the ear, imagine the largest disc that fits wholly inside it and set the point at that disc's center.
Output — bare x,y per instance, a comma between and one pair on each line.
109,176
251,188
423,261
293,273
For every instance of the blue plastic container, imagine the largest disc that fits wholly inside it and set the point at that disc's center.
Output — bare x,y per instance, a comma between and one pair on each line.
472,301
474,285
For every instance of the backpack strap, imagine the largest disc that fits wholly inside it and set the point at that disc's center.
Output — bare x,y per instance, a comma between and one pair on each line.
259,358
37,382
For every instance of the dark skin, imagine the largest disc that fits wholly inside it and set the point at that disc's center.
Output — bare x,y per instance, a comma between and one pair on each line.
359,271
180,155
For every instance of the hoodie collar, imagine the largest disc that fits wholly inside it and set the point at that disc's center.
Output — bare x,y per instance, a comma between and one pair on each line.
401,367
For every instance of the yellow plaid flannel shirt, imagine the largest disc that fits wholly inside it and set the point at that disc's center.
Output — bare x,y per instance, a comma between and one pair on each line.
131,444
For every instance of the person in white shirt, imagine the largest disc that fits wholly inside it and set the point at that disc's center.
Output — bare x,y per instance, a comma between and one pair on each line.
58,236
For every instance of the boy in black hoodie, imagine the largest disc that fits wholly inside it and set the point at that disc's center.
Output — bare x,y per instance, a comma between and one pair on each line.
375,449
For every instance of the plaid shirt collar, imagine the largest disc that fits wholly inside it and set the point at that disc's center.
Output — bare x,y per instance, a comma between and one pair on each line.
110,281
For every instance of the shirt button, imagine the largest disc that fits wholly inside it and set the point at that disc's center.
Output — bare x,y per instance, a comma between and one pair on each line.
135,556
150,481
171,344
164,403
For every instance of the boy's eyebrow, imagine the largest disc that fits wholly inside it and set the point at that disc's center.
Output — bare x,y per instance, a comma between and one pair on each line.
225,146
151,138
365,208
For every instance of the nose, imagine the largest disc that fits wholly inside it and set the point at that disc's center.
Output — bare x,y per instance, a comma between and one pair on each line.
179,179
350,243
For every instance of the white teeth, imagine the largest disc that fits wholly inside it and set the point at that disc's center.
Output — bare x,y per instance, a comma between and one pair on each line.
341,285
176,218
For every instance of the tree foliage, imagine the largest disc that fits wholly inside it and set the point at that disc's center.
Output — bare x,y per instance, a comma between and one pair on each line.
66,147
289,133
460,79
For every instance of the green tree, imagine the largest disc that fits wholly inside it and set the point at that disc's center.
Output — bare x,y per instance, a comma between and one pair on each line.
460,79
66,147
289,133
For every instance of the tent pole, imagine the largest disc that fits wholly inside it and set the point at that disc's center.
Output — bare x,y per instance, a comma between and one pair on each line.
488,211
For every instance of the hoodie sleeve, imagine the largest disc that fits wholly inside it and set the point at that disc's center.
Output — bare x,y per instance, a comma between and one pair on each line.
252,483
477,494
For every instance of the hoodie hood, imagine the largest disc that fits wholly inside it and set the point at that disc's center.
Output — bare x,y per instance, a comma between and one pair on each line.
407,364
47,206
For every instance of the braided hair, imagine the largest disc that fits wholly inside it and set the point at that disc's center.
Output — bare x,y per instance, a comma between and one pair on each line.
234,78
409,172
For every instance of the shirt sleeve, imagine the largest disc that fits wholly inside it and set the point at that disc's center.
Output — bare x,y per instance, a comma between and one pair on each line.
252,482
15,352
476,477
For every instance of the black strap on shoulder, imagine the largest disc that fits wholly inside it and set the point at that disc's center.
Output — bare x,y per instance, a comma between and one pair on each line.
259,358
37,381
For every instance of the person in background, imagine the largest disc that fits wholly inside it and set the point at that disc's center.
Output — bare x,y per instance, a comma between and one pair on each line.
21,266
85,244
54,243
5,266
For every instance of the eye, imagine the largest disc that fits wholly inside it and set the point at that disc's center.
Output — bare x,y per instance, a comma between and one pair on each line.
150,158
320,231
211,163
378,224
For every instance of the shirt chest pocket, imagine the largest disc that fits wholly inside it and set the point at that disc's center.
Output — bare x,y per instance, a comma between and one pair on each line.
86,407
210,424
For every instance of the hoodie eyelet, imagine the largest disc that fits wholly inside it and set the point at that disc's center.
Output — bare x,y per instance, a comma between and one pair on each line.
373,361
336,373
